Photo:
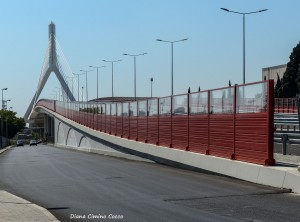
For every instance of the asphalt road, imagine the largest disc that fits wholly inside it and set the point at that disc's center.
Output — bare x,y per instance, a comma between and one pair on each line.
74,184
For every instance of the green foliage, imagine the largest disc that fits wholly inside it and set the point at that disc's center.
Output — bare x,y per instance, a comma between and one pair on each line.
90,110
290,82
278,88
10,123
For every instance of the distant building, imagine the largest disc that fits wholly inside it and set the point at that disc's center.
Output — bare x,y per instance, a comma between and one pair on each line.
271,72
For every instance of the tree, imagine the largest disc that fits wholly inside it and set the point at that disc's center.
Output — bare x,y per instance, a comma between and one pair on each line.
291,79
10,123
278,88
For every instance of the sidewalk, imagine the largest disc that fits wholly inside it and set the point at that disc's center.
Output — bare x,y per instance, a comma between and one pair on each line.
16,209
287,159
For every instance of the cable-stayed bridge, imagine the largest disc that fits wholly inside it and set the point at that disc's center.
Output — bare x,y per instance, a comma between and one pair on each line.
227,130
54,62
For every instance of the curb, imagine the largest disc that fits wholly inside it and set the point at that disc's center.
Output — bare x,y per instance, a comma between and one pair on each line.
14,208
5,149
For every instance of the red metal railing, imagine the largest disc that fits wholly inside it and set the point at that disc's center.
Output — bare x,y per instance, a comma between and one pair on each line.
234,122
285,105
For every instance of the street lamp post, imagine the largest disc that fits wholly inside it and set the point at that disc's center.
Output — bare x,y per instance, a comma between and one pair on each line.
112,74
97,67
172,80
172,42
244,48
134,56
86,82
2,97
78,84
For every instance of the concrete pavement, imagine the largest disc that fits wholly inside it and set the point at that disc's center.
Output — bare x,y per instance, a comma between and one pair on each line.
16,209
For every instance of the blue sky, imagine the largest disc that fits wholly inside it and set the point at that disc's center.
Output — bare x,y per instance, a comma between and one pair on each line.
92,30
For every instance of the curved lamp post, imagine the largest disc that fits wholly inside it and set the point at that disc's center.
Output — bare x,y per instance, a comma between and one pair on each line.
172,42
134,56
112,74
243,13
97,67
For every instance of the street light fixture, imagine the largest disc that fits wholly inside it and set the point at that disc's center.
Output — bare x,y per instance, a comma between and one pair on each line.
134,56
2,97
172,42
112,74
97,67
243,13
86,83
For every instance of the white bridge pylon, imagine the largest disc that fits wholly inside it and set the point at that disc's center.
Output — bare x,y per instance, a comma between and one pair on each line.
53,63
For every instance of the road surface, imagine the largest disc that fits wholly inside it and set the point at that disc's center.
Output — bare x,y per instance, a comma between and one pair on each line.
76,186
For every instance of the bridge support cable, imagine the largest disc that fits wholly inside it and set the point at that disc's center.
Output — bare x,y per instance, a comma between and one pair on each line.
52,64
66,71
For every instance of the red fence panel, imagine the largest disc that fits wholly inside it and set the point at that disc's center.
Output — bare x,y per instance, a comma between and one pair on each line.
142,121
180,132
101,117
133,123
232,122
221,131
125,112
285,105
153,121
198,133
165,122
119,129
107,119
251,137
113,119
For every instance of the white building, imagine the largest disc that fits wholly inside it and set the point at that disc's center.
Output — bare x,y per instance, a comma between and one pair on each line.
271,72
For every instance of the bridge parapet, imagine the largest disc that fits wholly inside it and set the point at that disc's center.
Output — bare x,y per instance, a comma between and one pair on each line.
232,122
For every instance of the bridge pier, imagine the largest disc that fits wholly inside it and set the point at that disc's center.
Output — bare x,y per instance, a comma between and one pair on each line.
49,128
